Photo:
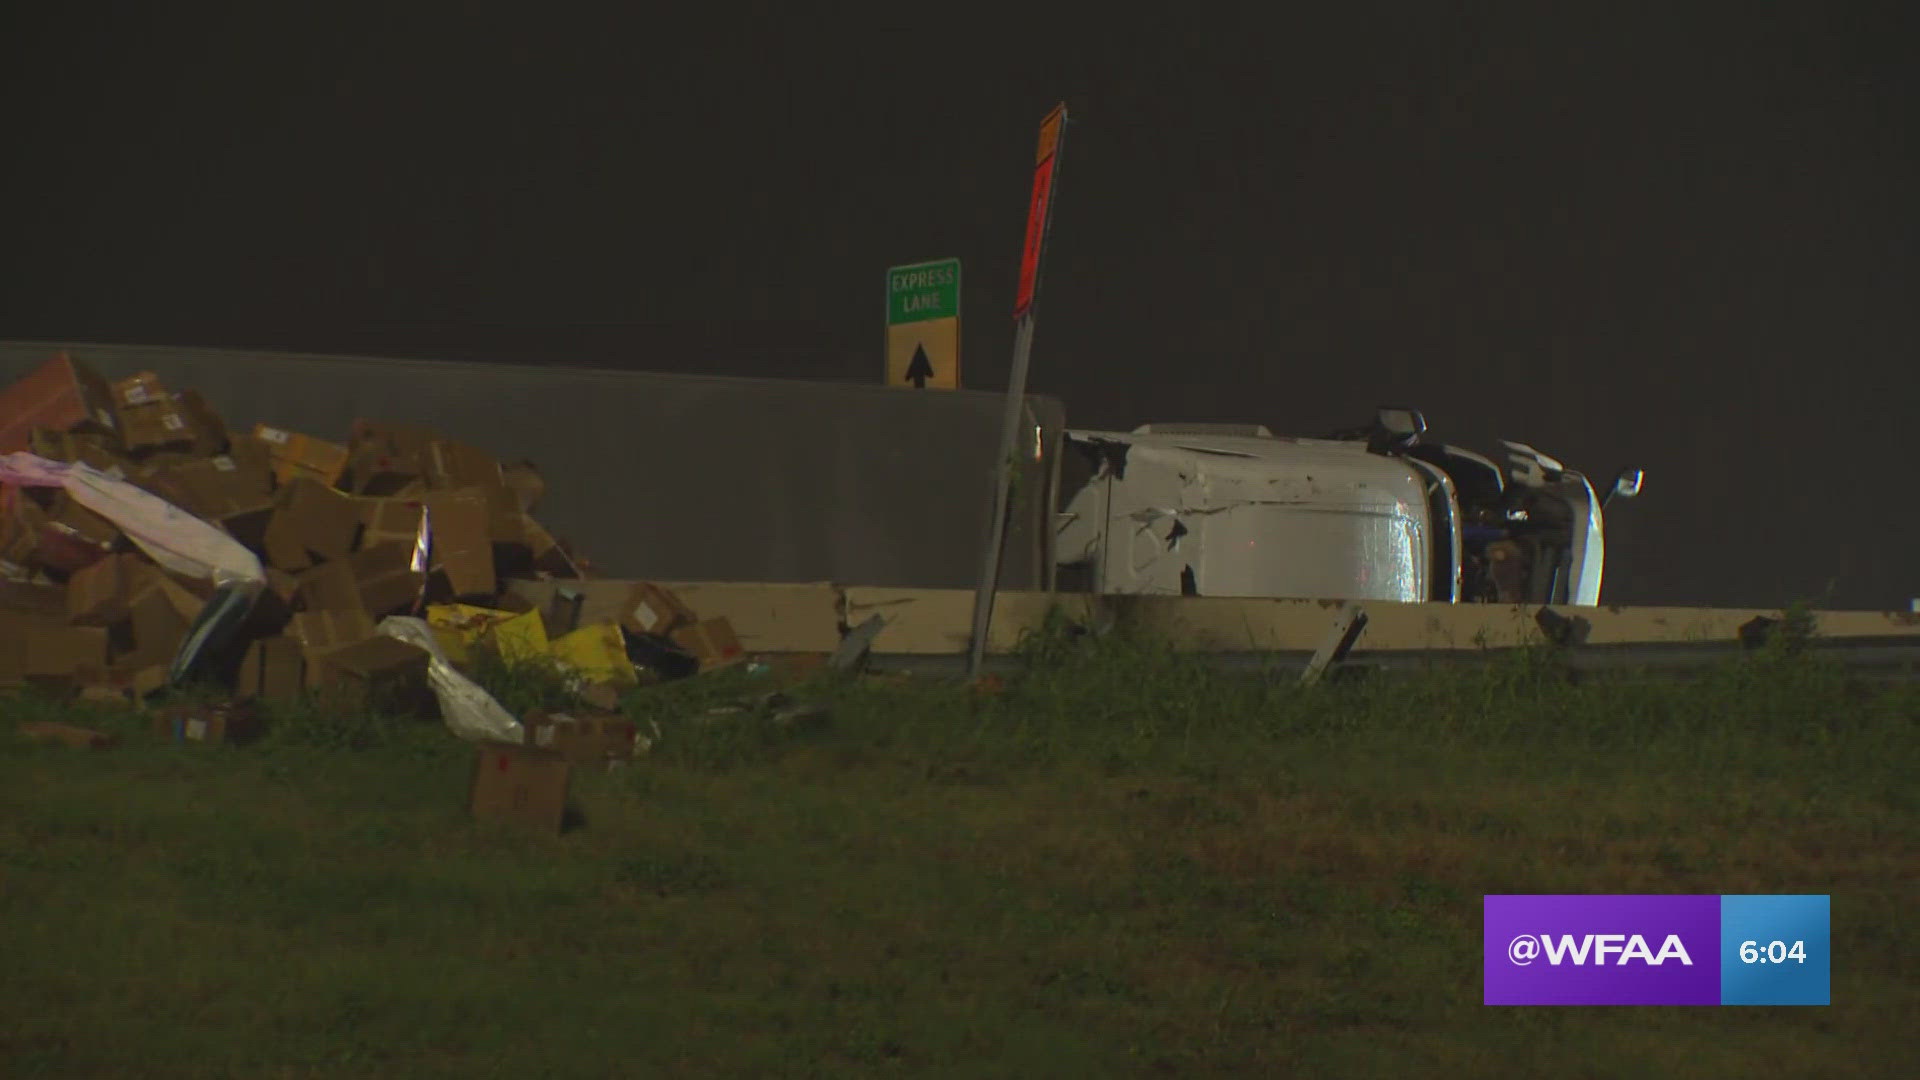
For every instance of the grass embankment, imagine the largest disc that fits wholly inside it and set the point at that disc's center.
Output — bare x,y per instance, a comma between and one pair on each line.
1122,864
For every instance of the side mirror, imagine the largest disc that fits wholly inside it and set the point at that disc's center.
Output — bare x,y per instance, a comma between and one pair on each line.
1401,422
1626,485
1397,428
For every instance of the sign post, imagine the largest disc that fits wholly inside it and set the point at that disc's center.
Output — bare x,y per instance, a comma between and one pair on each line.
923,325
1046,170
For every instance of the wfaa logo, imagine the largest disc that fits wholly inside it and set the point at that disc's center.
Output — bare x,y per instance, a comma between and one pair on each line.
1524,949
1601,950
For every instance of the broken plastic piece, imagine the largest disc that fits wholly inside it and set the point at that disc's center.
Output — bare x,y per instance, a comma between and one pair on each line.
470,712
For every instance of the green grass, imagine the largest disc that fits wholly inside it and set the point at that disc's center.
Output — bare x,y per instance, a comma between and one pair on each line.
1121,864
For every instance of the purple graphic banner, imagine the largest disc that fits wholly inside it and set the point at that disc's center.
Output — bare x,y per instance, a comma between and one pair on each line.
1601,950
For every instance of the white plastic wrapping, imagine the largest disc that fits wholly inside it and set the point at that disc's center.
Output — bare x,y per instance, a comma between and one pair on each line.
469,710
169,535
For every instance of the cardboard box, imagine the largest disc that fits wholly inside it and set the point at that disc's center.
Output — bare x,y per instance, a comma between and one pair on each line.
546,554
653,609
210,435
711,641
462,547
388,520
297,455
310,523
43,605
598,653
75,653
454,466
79,738
526,484
158,425
583,737
386,580
521,786
218,488
274,668
161,613
73,537
97,595
207,724
96,451
331,586
62,394
379,672
21,520
141,389
322,632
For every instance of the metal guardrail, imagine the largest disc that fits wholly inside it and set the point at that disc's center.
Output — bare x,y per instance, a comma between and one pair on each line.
1891,659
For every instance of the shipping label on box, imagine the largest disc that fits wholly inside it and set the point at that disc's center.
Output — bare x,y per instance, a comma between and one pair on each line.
141,389
653,609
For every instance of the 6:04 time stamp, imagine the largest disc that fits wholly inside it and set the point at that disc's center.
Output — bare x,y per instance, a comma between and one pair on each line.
1774,950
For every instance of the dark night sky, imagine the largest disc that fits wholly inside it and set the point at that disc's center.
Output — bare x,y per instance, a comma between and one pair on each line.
1685,242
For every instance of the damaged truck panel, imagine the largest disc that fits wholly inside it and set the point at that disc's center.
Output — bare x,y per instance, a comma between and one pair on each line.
1229,515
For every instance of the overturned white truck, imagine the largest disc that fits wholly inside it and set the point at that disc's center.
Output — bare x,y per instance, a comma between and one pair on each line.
1372,514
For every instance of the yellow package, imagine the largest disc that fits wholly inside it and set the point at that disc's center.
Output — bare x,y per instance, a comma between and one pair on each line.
598,653
523,636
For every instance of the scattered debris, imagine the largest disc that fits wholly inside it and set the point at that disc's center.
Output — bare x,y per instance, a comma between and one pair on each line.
212,724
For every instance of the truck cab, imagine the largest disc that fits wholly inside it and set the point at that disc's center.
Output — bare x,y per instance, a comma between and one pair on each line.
1376,513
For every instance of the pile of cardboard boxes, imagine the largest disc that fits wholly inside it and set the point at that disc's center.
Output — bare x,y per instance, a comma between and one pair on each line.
338,528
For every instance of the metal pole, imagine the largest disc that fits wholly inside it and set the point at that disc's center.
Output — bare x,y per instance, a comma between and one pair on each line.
1002,477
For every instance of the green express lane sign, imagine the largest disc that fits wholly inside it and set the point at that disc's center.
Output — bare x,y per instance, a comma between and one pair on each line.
923,325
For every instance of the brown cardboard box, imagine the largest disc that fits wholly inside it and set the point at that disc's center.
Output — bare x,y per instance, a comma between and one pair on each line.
462,550
221,487
547,555
711,641
209,724
78,653
458,466
210,434
331,586
386,579
79,738
141,389
583,737
62,394
321,632
157,425
274,668
97,595
21,520
386,458
388,520
72,537
311,522
45,605
161,613
380,671
654,609
98,451
520,785
526,484
303,455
